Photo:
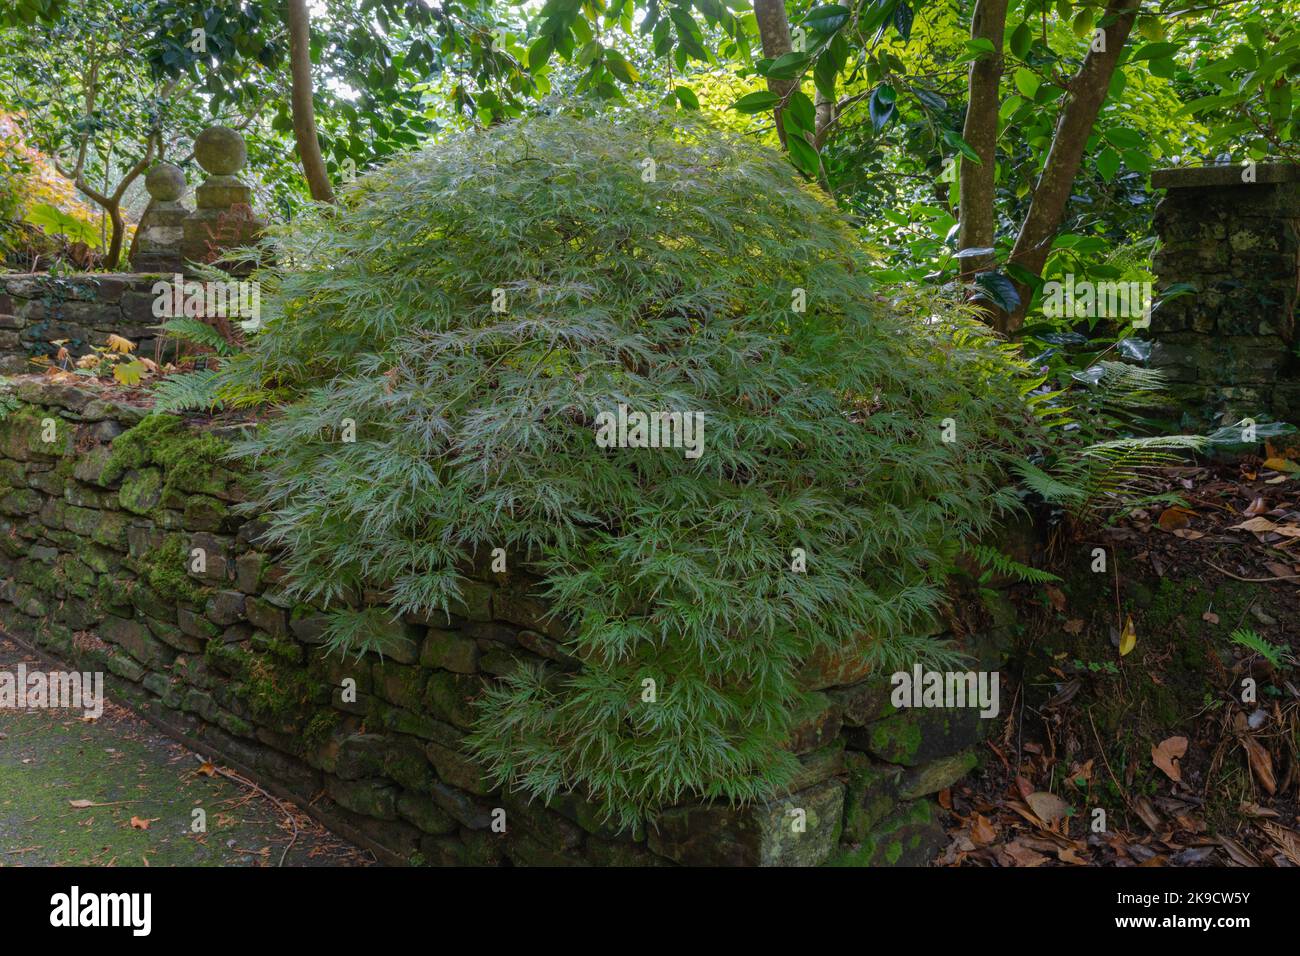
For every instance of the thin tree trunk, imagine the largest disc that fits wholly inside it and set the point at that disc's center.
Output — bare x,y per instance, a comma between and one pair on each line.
975,184
825,117
304,113
1047,208
774,31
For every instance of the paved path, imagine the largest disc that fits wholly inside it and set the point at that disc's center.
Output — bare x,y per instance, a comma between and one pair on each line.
147,786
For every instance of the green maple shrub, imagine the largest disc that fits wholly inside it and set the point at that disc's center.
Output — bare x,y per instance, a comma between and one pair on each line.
663,289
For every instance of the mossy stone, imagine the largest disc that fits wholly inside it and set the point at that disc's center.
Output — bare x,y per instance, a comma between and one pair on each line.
141,491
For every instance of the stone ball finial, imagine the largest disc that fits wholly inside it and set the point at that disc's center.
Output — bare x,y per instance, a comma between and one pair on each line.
165,182
220,150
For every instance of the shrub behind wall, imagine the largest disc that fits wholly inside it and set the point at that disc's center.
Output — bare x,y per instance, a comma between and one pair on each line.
658,265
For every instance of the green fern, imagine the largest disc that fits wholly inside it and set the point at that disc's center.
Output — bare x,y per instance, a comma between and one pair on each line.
1275,654
199,333
994,560
1049,487
1086,478
188,391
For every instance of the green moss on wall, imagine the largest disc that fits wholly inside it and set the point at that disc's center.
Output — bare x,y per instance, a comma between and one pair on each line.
164,569
191,461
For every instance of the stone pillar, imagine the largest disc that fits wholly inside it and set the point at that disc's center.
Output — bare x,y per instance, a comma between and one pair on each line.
1232,234
161,232
224,218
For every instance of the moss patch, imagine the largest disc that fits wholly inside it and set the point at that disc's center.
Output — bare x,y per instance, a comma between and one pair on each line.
191,461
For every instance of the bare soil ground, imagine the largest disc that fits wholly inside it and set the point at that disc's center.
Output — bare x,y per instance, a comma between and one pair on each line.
1188,766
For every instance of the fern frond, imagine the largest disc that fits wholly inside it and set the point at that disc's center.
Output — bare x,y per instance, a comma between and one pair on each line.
1275,654
188,391
199,333
1051,489
993,559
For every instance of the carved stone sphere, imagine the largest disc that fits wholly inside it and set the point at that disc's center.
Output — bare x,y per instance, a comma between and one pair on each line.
220,150
165,182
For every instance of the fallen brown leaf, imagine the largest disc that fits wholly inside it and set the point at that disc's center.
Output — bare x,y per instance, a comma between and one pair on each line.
1048,806
1056,596
982,832
1167,754
1174,518
1261,764
1022,855
1146,810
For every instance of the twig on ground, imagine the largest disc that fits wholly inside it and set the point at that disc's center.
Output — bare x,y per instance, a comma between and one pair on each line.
1238,577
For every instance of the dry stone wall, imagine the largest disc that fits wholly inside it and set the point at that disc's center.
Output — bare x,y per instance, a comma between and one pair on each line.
38,311
1230,236
102,513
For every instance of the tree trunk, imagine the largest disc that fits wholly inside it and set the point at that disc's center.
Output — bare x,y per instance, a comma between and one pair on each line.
1047,208
774,31
975,185
119,233
304,113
